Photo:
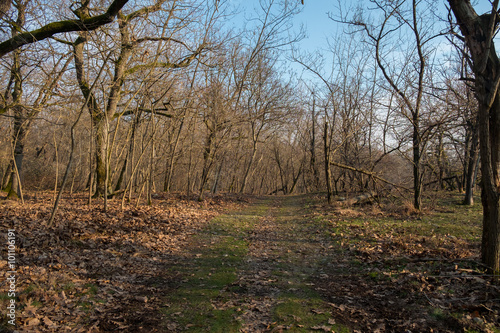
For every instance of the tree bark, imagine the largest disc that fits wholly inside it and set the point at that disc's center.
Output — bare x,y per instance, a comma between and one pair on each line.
97,115
215,186
249,166
479,32
207,161
328,174
417,183
100,118
20,116
82,24
472,164
6,180
313,146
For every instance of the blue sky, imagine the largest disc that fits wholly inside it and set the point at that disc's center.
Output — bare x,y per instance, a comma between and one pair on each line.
313,16
318,25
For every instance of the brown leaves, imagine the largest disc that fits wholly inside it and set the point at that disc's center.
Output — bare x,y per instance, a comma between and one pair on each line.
96,271
393,272
323,328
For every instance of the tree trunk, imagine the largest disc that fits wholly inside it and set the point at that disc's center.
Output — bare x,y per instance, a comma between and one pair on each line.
328,174
280,168
215,186
16,180
249,166
489,122
18,138
102,133
472,165
97,115
151,171
440,162
170,167
479,32
102,118
313,146
122,174
207,162
20,117
7,177
296,180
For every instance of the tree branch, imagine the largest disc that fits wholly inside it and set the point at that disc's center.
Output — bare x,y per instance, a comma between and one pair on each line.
145,10
173,65
53,28
156,111
371,174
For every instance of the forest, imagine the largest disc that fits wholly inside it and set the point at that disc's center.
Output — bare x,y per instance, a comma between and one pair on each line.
148,145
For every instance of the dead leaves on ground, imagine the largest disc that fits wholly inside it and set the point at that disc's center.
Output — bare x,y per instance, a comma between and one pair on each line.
394,278
96,271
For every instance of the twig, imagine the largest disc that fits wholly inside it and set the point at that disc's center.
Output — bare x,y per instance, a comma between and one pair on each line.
429,300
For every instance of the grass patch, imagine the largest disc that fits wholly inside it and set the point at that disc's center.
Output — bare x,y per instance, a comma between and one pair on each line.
204,318
85,306
36,303
410,258
199,302
4,297
446,217
437,314
305,315
68,286
92,289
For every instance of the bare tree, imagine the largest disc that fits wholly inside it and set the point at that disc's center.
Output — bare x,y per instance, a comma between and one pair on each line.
409,88
26,108
463,106
478,32
217,118
126,63
267,101
20,118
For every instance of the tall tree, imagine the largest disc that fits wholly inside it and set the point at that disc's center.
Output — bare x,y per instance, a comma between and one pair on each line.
478,32
410,84
27,72
20,119
126,64
267,100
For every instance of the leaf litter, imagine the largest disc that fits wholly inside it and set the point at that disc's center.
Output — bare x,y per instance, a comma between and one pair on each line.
98,272
95,271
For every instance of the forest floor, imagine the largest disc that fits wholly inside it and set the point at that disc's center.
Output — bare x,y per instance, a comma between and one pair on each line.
238,264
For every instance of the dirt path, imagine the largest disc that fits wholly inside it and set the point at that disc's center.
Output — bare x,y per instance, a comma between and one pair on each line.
253,271
287,264
277,264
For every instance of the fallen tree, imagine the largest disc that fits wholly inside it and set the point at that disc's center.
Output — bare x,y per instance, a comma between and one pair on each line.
372,174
